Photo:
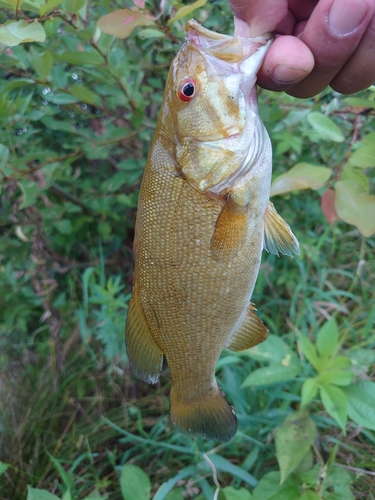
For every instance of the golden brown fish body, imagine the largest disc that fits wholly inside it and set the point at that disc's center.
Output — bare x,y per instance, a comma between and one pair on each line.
203,219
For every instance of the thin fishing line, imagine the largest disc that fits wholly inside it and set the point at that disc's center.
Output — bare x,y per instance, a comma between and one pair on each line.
214,474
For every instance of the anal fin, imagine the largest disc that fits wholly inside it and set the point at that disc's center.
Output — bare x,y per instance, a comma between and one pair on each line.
145,357
230,229
251,333
278,236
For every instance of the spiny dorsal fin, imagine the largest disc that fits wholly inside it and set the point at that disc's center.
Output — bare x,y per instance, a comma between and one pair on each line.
145,357
278,236
230,230
251,333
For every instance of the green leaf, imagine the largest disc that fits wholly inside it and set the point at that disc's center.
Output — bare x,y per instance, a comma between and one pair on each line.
73,6
61,98
355,206
42,63
64,226
3,467
4,155
361,403
335,402
309,351
231,493
17,32
273,351
122,22
134,483
361,359
30,191
301,176
337,485
350,173
48,6
359,102
325,127
151,33
269,488
13,4
186,10
293,440
335,376
309,390
309,495
85,95
273,374
38,494
176,494
363,157
78,58
327,340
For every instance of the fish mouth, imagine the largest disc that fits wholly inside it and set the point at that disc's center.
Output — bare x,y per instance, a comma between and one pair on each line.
232,49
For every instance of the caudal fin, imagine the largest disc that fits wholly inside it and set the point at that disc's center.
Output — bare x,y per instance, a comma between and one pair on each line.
211,416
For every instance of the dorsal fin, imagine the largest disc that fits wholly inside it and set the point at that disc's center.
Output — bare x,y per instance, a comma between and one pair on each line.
278,236
251,333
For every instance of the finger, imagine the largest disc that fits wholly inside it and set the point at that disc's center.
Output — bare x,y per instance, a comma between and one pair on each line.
332,33
287,62
359,72
261,16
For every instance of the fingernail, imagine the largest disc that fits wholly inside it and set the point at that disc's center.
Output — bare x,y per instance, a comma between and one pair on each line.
345,16
288,74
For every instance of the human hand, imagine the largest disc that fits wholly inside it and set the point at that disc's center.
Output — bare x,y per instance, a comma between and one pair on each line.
318,43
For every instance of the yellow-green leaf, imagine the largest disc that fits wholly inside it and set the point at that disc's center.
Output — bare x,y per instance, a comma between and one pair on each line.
122,22
335,403
359,102
325,127
354,206
364,156
73,6
18,32
13,4
85,95
353,174
42,63
301,176
49,5
186,10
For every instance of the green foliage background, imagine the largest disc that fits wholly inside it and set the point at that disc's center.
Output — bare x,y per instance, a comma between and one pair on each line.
77,114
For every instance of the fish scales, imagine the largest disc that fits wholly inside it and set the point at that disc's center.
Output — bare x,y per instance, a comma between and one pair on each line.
199,234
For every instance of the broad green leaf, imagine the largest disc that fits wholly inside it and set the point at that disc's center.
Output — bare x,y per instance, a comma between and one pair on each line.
176,494
122,22
15,84
325,127
42,63
61,98
369,138
85,95
78,58
293,440
273,351
48,6
361,403
134,483
301,176
361,359
151,33
335,402
73,6
335,376
38,494
17,32
231,493
309,495
337,485
64,226
30,191
338,362
3,467
269,488
356,207
274,373
359,102
309,390
186,10
353,174
327,340
363,157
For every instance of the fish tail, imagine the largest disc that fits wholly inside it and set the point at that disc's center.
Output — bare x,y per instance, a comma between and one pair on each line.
211,416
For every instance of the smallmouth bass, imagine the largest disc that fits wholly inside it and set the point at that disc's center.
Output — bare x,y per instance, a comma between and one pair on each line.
203,218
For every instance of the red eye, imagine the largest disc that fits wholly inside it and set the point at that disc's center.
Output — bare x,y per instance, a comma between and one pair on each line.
186,89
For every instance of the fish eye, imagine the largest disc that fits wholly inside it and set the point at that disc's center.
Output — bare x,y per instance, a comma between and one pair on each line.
186,89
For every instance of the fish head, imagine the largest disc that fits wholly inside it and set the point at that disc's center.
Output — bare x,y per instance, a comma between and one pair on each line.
212,78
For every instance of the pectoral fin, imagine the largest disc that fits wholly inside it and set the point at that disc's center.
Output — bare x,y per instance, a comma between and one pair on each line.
230,230
278,236
251,333
145,357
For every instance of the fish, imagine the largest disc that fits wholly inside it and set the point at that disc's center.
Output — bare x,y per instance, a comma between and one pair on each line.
203,219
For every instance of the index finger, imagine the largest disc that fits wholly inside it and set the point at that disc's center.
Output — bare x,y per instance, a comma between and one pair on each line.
262,16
